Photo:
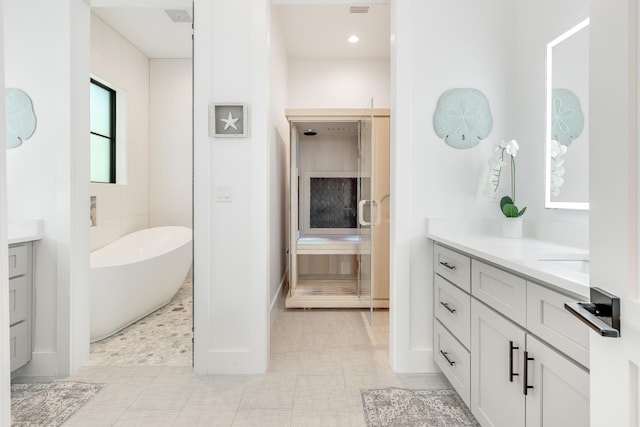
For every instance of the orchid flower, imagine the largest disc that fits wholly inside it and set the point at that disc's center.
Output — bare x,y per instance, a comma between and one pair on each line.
512,148
496,162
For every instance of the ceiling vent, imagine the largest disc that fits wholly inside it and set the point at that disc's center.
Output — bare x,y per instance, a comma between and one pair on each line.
359,9
179,15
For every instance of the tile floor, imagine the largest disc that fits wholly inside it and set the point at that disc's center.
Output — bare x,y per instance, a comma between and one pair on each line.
320,359
163,338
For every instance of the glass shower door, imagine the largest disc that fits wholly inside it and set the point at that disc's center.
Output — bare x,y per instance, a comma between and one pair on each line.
367,209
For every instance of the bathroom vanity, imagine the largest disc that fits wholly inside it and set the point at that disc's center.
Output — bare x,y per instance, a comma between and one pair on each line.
22,240
501,334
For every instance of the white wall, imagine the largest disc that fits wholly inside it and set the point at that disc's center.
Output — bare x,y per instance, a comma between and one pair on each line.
498,48
5,380
278,166
170,150
338,83
438,46
123,208
231,265
47,55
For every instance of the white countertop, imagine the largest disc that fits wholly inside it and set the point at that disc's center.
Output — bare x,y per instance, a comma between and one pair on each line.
24,231
521,256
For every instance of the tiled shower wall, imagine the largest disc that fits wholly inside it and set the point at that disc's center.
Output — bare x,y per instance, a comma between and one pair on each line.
170,147
159,159
123,208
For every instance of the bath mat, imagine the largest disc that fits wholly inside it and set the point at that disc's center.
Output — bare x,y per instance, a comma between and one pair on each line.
417,408
48,404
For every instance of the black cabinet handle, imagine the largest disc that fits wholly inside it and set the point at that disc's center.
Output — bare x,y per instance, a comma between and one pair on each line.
446,305
525,385
511,373
449,266
444,354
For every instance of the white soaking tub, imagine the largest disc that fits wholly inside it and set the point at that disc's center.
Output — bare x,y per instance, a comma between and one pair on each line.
135,275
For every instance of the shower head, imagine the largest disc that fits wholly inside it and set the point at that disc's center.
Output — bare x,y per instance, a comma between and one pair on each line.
310,132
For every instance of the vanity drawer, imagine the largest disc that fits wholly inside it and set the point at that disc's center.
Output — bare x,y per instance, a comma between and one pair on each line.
452,266
18,300
454,360
548,319
19,345
500,290
17,260
453,309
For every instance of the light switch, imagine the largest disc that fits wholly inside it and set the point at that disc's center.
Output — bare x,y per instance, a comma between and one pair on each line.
224,193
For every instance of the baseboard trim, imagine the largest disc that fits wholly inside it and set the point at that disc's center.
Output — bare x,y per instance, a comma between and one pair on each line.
236,362
42,364
417,361
278,299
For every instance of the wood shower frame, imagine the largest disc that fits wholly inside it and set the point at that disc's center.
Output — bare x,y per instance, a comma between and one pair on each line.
336,244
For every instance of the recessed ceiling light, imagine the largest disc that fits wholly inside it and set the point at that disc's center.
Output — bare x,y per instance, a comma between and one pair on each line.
179,15
353,39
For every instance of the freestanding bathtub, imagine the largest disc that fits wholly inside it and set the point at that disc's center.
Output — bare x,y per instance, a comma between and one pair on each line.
135,275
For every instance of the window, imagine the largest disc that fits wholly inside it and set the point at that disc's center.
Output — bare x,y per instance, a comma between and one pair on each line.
103,133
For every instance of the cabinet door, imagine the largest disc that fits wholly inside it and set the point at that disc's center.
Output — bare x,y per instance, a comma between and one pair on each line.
497,349
560,393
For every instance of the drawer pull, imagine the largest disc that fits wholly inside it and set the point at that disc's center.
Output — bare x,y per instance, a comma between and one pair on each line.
446,305
444,354
449,266
525,385
511,373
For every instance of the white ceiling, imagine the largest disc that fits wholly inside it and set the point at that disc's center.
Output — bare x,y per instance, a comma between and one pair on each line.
321,32
310,31
150,29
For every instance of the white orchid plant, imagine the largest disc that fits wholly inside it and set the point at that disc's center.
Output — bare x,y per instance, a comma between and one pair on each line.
496,163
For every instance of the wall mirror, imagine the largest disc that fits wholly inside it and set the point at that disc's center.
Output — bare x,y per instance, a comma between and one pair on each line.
567,110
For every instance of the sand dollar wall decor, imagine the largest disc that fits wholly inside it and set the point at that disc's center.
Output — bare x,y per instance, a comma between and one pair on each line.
567,119
463,117
21,119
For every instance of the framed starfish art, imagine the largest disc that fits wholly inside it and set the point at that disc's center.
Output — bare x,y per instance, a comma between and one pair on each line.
228,120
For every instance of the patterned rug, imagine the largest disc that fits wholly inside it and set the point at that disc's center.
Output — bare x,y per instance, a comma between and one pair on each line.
399,407
48,404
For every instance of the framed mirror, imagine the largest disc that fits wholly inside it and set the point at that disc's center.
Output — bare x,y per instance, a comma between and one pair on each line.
567,110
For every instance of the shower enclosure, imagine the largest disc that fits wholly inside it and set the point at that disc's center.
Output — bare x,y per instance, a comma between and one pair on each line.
337,208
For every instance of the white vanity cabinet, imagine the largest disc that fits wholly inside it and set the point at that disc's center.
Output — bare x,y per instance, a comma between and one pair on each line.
496,368
20,296
527,359
452,309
